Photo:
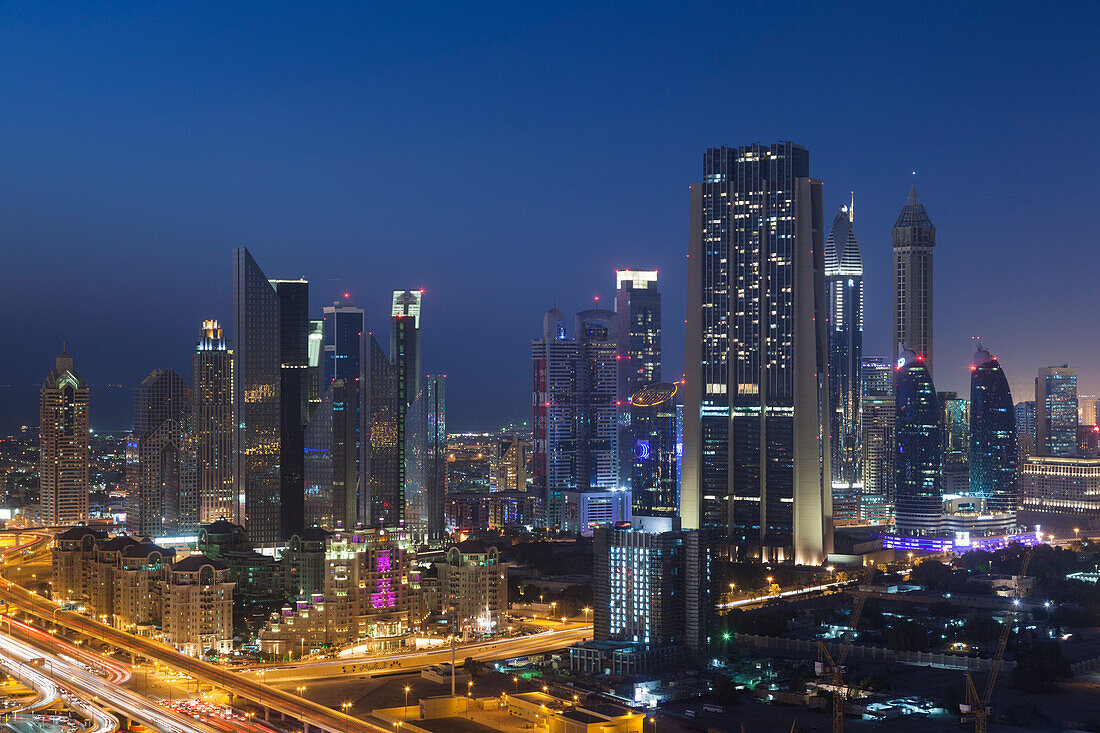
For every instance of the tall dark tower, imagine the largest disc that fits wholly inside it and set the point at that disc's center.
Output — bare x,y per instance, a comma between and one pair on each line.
919,500
161,497
212,377
992,434
257,380
638,305
756,423
844,283
405,358
914,238
294,329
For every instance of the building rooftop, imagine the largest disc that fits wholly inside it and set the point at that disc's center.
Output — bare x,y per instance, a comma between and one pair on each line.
195,562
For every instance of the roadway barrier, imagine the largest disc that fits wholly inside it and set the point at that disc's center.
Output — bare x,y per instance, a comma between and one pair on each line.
875,653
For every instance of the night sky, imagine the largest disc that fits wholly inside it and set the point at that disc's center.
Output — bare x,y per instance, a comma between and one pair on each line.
505,156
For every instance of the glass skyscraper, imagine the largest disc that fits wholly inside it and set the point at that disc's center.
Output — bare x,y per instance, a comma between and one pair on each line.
212,379
426,460
1056,411
257,382
919,500
844,282
914,239
638,304
654,492
294,329
161,488
992,434
877,426
757,356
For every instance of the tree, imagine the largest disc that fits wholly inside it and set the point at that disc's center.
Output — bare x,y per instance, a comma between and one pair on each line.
1039,666
907,636
875,682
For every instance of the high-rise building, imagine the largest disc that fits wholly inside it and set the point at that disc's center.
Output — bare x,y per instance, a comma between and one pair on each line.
313,371
1056,411
426,460
655,492
508,464
919,500
1025,418
294,331
381,501
914,238
331,477
955,434
63,445
844,283
638,303
992,434
756,419
212,419
877,426
257,399
1086,409
598,413
405,356
162,497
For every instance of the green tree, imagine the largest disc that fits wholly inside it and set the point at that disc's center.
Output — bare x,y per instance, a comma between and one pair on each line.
1039,666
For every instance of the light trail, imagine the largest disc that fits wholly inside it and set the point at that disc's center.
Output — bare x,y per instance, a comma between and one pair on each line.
787,594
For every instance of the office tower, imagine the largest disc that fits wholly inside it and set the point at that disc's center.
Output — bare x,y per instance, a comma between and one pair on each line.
1086,409
313,375
426,460
1025,418
294,401
554,362
508,464
992,434
212,416
844,286
381,502
331,458
914,238
655,492
405,358
342,360
877,426
342,339
162,497
756,292
919,501
955,434
63,445
638,304
654,589
1056,411
598,415
256,399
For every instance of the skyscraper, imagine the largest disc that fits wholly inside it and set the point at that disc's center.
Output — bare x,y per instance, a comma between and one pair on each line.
955,435
342,360
212,416
313,372
1056,411
508,464
992,434
257,399
294,401
844,283
405,358
331,477
162,497
877,426
598,415
638,304
914,238
1086,409
381,502
654,492
919,500
756,294
426,460
63,445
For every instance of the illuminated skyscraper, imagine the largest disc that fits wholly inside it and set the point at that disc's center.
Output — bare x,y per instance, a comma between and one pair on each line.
212,376
756,356
877,426
294,331
638,305
844,283
508,464
63,445
381,502
405,358
342,360
426,460
256,399
654,492
1056,411
919,500
598,415
330,459
955,434
161,492
316,352
914,238
992,434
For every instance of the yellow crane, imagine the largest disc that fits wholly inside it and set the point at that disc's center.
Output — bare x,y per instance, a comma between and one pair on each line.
975,707
832,666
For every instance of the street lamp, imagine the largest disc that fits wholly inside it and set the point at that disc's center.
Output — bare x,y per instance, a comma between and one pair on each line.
470,688
1076,533
301,689
516,681
346,706
407,688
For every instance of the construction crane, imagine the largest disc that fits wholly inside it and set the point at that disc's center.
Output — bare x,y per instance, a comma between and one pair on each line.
832,666
977,707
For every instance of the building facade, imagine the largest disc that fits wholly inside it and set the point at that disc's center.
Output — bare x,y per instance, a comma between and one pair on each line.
63,445
656,489
294,329
992,435
918,497
212,415
331,458
162,496
1056,411
844,285
426,461
508,463
877,426
756,352
638,304
1063,485
198,607
473,584
381,451
914,239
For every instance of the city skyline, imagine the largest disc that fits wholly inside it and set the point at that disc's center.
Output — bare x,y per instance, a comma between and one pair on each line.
157,265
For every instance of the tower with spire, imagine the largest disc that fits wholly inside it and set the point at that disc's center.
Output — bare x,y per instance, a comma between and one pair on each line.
914,238
844,290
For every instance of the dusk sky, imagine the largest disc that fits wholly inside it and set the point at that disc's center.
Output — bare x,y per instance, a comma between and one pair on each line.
507,156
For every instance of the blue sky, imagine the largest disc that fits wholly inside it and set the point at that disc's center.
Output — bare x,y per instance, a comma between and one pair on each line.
505,156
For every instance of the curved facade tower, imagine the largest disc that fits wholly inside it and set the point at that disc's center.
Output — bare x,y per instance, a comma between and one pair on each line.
992,434
844,291
919,501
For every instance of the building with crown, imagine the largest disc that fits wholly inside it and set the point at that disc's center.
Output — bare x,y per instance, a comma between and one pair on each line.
63,445
914,239
844,286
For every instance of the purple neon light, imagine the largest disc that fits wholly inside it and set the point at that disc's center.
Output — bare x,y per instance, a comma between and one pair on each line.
382,562
950,544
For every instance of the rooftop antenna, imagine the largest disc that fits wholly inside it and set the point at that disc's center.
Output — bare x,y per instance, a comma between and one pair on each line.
852,209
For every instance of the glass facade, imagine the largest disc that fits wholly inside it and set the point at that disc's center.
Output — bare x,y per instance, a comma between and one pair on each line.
161,492
844,282
917,460
382,503
426,461
294,329
638,304
877,426
992,434
655,491
914,239
1056,411
212,379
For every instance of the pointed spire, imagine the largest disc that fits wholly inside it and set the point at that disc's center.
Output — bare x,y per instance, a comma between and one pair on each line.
852,209
913,195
